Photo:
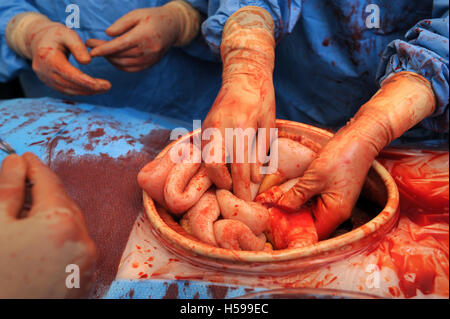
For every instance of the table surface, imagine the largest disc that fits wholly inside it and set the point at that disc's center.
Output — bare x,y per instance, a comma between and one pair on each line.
97,152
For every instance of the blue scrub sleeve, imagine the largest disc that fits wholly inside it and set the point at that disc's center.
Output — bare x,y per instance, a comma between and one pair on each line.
10,62
284,13
424,51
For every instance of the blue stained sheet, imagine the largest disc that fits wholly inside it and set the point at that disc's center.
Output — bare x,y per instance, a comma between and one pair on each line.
31,124
171,289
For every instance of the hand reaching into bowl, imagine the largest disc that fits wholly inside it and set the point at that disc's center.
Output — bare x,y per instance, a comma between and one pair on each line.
246,100
335,178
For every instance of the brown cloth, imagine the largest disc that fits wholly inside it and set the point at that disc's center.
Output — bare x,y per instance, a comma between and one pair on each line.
107,192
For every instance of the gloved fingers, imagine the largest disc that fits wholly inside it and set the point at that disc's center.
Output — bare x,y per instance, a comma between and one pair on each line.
240,167
60,84
54,80
70,73
255,174
214,156
12,186
133,52
76,46
133,69
130,62
309,185
63,89
266,123
92,43
240,172
123,24
329,214
262,150
48,192
121,43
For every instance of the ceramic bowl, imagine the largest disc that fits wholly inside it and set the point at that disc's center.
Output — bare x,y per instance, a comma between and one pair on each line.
380,188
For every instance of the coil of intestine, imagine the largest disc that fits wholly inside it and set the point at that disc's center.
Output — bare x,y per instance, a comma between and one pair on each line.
175,185
254,215
234,234
199,220
185,185
218,217
152,177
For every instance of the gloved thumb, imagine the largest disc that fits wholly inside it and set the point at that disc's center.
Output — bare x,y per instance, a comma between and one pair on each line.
76,46
328,214
123,24
307,187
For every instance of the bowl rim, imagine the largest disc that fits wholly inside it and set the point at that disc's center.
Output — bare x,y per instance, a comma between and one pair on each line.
326,293
388,213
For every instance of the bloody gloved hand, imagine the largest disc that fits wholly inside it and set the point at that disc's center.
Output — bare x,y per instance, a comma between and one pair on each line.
337,175
245,101
48,45
37,245
144,35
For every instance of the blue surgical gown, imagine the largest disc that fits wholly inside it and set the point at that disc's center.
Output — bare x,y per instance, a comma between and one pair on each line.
329,59
331,55
181,85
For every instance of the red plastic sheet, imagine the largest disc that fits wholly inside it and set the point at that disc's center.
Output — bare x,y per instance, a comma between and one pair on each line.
418,248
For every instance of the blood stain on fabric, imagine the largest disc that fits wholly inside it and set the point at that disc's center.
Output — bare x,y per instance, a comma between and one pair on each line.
217,292
109,196
171,292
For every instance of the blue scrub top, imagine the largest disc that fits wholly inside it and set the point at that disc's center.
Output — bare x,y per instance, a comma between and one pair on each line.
181,85
331,55
329,60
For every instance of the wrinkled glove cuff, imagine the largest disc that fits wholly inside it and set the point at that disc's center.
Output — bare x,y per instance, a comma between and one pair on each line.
248,40
404,99
17,30
190,18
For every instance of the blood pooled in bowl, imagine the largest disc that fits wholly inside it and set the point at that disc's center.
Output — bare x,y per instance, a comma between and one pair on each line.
212,227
